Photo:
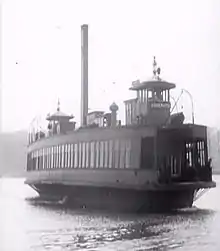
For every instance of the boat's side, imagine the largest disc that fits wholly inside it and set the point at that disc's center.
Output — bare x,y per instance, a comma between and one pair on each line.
120,200
118,178
119,190
116,169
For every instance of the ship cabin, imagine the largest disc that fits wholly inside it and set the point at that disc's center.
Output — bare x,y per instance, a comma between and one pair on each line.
151,106
59,123
152,139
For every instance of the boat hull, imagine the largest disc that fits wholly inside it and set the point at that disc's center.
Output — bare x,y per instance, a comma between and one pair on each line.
117,200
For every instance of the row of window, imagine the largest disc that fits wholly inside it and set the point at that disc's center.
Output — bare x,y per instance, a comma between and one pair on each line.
102,154
196,153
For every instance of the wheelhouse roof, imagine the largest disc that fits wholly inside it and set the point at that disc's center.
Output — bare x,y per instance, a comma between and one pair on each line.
59,115
153,84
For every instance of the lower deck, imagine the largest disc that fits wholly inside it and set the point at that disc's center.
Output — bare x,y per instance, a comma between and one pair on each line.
122,179
117,200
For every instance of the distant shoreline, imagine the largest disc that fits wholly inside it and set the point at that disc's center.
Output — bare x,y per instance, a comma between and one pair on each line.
15,175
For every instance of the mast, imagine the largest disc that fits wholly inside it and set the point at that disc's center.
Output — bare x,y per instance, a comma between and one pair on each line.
1,27
84,74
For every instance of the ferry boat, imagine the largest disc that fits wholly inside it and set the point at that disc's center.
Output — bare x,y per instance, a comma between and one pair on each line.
154,162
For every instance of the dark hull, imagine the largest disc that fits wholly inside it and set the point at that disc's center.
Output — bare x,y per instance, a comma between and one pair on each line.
118,200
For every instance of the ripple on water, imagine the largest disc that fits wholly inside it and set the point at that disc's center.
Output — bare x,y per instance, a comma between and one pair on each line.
38,227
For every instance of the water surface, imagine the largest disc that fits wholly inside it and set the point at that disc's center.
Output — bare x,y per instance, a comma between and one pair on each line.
27,226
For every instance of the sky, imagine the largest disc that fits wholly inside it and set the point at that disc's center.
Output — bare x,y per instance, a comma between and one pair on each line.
41,59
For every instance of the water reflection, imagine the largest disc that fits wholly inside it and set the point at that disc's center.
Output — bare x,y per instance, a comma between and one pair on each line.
29,226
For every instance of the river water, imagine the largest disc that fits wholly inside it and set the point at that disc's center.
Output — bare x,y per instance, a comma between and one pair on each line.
27,226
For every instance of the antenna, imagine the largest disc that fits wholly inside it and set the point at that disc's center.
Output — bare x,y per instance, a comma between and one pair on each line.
58,105
156,70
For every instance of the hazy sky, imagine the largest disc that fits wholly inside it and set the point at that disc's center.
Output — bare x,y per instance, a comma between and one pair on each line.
43,37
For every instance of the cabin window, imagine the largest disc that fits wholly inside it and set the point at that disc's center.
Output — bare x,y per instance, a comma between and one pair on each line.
38,158
58,156
45,158
29,161
175,170
147,153
106,153
40,152
48,158
116,154
144,95
37,162
87,154
55,156
76,155
46,151
201,153
189,154
51,157
83,155
101,154
111,153
92,156
97,153
122,154
150,94
72,155
33,162
65,156
68,155
62,155
45,167
127,153
80,156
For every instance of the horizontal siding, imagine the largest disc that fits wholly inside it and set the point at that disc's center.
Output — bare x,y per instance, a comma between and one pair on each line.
104,177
